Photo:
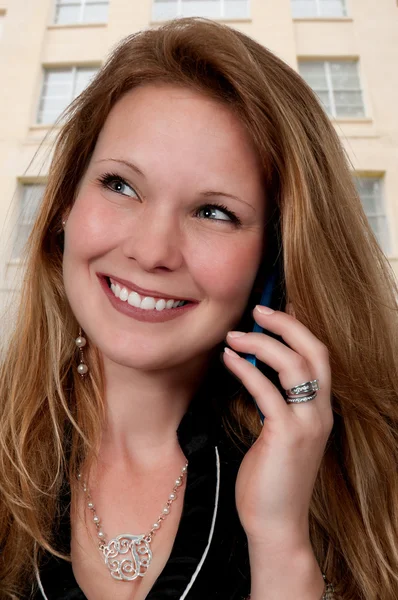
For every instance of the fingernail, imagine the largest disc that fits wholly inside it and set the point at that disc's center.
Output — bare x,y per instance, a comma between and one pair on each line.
235,334
231,352
265,310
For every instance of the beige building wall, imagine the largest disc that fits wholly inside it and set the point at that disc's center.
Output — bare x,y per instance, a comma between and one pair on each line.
30,42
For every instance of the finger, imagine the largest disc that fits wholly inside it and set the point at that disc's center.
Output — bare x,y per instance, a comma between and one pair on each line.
300,339
292,368
267,396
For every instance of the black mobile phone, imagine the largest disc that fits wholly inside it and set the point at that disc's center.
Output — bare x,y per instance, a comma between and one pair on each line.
274,296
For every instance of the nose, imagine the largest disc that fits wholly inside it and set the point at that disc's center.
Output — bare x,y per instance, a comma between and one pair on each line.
155,240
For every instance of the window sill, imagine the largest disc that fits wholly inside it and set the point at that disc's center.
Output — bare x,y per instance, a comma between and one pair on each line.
36,126
41,134
322,19
76,25
350,120
391,259
15,262
220,20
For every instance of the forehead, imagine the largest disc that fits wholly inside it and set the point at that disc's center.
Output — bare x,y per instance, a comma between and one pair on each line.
167,115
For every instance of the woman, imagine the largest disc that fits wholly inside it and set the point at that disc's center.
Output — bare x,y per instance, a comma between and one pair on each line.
179,175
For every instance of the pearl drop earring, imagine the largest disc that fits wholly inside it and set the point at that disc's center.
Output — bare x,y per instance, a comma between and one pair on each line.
80,342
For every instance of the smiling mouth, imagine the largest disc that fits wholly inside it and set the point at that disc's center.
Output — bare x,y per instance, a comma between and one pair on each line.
143,302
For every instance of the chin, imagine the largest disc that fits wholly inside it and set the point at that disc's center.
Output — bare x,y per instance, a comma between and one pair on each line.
143,361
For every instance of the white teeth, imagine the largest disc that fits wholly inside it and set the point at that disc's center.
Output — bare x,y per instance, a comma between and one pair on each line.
160,304
148,303
124,294
134,299
145,303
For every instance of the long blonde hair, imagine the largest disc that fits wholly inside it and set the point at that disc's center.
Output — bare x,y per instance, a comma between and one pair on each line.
336,276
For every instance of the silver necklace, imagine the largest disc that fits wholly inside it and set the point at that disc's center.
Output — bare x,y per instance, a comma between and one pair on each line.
136,547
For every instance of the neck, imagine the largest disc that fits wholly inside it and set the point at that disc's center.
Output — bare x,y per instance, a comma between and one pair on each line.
144,409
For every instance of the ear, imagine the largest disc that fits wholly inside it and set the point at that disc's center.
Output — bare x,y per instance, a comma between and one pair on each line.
64,218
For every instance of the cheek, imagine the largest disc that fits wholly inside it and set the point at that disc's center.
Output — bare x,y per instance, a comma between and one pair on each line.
228,272
88,231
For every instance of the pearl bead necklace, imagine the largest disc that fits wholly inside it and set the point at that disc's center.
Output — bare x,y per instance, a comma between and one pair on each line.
138,546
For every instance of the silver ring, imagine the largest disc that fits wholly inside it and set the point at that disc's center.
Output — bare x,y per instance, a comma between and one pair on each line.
300,399
303,388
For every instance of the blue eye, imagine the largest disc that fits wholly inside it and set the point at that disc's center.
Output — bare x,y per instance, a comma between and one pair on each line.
115,183
212,209
111,179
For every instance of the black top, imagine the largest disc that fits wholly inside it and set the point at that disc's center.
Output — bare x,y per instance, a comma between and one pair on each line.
209,559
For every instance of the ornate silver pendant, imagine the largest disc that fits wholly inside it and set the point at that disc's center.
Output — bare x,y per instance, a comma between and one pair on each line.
127,568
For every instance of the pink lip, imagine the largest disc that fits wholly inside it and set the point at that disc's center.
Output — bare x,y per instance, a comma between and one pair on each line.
142,291
149,316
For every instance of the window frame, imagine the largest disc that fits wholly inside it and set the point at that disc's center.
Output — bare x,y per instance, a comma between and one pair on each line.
20,221
386,243
331,90
222,16
3,13
82,4
45,69
319,15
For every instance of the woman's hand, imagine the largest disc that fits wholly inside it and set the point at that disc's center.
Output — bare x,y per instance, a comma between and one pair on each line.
276,478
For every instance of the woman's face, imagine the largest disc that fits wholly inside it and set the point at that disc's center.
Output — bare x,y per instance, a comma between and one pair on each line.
145,217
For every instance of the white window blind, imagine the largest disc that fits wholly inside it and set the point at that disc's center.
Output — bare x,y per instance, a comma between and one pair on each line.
337,85
302,9
60,87
30,198
162,10
69,12
370,190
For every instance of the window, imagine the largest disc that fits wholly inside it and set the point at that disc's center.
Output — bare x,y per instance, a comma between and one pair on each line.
337,85
69,12
60,87
2,19
31,196
370,190
162,10
303,9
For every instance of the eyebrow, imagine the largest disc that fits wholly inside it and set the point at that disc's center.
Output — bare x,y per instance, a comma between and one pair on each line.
123,162
207,194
